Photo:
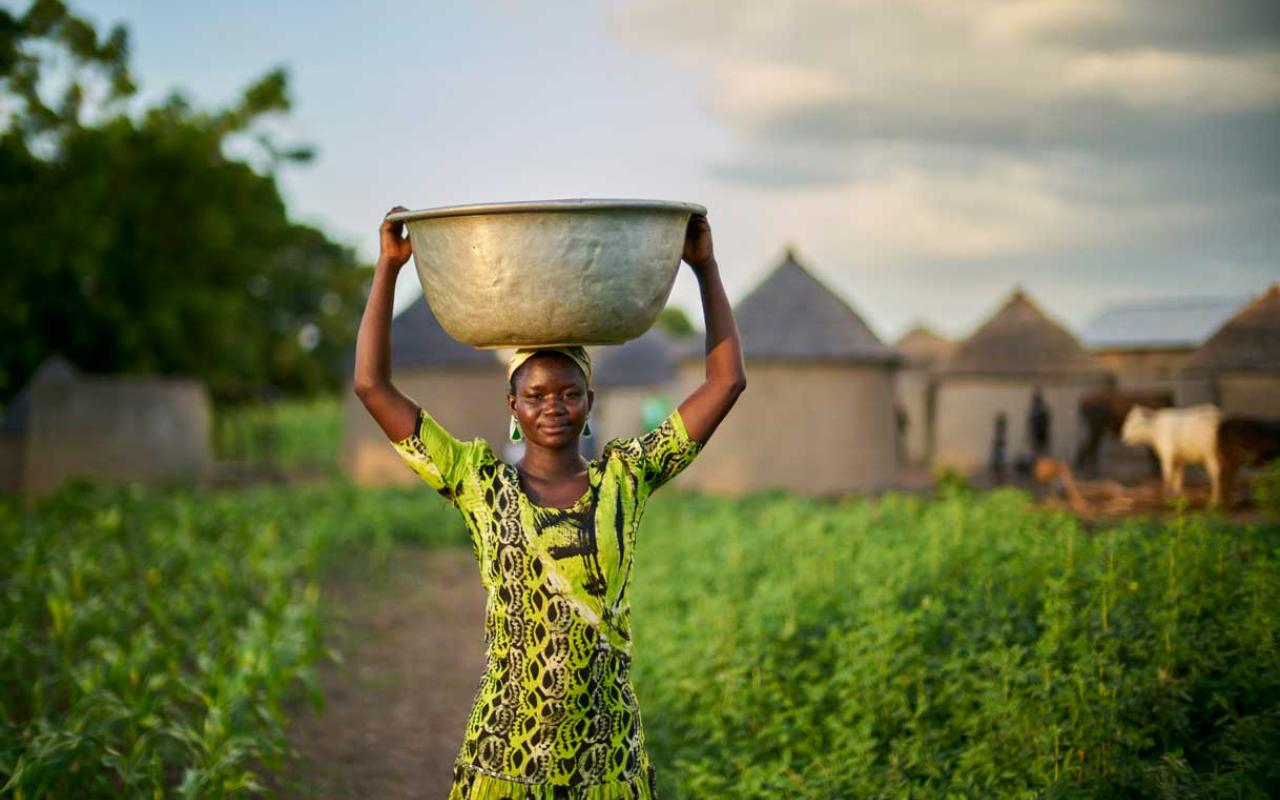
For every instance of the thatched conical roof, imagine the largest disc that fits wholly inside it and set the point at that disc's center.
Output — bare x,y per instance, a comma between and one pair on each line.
417,340
1248,341
1020,339
54,368
644,361
922,347
792,315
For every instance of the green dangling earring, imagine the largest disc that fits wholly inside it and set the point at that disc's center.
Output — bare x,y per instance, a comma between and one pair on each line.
586,430
514,432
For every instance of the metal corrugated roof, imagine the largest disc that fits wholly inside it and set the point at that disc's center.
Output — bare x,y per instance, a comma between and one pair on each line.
1171,324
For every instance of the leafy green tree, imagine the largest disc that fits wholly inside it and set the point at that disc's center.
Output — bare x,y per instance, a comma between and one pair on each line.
674,321
134,244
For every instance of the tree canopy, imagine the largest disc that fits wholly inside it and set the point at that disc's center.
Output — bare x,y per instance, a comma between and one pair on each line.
675,321
133,243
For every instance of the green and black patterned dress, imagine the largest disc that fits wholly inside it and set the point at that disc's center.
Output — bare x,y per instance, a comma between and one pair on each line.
554,715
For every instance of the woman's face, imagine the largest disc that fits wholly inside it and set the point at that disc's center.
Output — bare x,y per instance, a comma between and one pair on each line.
551,400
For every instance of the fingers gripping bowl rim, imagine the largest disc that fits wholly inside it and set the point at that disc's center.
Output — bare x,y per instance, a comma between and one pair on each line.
548,273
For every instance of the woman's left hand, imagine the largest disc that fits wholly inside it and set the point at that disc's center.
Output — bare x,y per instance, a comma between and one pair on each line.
698,252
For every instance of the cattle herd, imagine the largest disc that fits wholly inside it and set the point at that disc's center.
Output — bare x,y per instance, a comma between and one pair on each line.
1199,434
1176,438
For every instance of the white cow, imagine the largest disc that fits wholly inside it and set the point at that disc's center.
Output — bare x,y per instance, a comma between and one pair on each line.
1180,436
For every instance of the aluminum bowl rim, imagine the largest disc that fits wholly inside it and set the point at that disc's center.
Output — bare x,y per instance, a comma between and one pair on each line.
535,206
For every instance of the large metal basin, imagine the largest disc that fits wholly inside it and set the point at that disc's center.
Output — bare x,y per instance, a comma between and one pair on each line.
548,273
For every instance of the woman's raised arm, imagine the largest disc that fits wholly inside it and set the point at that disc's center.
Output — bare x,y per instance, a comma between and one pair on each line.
726,375
395,413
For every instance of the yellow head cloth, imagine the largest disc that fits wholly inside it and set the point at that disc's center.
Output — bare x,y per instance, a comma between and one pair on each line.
576,352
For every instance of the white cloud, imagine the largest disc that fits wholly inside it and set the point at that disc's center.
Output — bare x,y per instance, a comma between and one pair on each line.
925,68
1003,209
971,129
1155,78
756,92
914,214
1023,21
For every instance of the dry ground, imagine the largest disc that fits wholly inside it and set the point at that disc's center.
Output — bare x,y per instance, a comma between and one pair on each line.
395,710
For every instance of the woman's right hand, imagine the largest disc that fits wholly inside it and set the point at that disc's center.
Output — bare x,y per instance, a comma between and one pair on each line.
396,245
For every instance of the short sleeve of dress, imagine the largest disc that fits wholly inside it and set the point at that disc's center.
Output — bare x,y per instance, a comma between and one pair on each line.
667,450
436,456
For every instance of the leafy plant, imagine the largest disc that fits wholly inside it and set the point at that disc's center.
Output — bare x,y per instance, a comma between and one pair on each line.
967,646
1266,489
960,647
150,636
290,434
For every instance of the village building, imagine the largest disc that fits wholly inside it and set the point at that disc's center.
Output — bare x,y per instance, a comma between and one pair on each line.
997,370
818,416
635,385
463,388
1146,344
66,424
1241,361
915,386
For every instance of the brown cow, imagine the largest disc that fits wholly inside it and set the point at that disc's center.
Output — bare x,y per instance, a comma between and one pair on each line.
1103,413
1242,442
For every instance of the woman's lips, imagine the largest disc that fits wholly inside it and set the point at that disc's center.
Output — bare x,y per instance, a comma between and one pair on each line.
555,428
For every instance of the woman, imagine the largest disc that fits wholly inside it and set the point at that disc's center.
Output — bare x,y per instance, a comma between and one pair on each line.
554,535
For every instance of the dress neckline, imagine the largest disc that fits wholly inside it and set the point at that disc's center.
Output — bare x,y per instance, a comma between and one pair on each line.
591,482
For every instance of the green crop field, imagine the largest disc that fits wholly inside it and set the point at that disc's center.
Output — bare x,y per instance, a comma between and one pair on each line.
150,636
967,646
292,435
962,647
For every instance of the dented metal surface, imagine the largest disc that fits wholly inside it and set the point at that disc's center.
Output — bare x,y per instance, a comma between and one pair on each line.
550,272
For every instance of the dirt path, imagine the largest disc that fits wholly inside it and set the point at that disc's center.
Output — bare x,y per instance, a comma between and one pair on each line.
396,709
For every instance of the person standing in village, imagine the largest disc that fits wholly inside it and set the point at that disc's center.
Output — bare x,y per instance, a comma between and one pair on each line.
1038,425
555,537
999,447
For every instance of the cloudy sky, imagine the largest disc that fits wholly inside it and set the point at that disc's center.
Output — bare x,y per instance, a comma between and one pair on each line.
922,156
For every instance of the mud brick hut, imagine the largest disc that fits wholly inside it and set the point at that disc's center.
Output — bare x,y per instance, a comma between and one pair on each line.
1241,361
818,416
1146,344
997,369
915,386
65,424
633,383
463,388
